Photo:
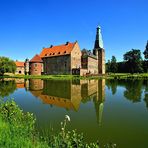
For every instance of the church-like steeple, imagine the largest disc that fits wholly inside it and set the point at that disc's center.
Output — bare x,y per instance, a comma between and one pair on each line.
99,51
98,41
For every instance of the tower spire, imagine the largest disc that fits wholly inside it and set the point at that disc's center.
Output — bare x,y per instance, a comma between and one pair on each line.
98,41
99,51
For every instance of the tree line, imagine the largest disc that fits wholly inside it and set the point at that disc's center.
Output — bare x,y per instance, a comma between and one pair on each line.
132,62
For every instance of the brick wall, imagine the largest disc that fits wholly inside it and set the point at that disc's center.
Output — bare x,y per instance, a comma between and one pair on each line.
36,68
92,65
76,57
101,61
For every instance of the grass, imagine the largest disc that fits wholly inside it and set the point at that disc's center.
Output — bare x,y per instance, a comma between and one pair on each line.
127,76
71,77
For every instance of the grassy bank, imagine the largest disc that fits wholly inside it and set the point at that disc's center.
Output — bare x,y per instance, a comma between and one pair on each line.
18,130
70,77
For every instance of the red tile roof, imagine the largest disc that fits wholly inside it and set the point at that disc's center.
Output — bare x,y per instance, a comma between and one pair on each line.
36,58
63,49
19,64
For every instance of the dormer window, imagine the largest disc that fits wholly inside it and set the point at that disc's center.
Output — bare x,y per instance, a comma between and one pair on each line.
58,52
64,51
53,53
50,53
45,54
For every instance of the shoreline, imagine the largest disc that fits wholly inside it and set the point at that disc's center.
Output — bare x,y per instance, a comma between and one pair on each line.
77,77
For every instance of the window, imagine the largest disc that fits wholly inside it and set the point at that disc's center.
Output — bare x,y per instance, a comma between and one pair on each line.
64,51
35,65
58,52
65,64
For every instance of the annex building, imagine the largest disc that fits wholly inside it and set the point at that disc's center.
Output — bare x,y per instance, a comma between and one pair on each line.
67,58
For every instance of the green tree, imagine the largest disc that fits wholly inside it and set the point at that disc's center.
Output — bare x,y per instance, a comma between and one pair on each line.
145,62
133,61
108,64
113,65
7,65
146,51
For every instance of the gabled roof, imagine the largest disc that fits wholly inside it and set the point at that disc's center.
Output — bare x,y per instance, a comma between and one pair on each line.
37,59
19,64
59,50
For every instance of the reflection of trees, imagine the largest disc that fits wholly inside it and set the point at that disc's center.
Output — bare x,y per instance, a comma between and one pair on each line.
113,85
133,90
7,88
145,82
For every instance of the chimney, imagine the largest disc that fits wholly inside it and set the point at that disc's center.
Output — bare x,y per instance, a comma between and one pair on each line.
67,43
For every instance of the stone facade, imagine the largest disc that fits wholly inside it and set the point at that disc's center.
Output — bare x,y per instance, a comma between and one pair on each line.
76,57
57,65
92,65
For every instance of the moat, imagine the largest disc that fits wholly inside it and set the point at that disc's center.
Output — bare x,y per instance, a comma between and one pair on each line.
113,111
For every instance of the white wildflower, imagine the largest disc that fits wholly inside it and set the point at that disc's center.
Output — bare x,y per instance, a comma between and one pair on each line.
62,129
67,117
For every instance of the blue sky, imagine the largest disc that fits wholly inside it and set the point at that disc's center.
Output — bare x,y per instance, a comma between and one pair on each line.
28,25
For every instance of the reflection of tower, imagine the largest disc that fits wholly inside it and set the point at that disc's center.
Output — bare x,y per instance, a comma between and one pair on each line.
27,66
27,84
99,101
99,51
36,84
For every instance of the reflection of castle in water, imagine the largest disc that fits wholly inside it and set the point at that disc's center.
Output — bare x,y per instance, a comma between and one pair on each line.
69,94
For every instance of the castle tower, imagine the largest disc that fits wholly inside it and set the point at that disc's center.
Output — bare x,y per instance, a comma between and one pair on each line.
36,65
27,67
99,51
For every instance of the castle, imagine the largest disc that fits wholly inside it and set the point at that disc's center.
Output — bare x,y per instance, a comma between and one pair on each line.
66,59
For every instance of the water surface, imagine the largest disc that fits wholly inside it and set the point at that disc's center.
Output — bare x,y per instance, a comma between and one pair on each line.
113,111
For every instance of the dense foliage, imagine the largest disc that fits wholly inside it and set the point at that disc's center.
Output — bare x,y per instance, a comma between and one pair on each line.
146,51
132,63
7,65
112,65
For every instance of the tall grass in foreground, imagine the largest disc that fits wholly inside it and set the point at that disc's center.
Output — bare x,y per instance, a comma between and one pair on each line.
17,130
